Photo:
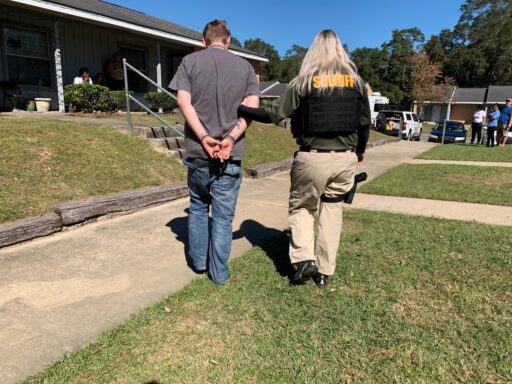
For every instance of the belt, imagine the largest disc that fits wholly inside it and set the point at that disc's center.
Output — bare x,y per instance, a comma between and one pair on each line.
205,162
308,149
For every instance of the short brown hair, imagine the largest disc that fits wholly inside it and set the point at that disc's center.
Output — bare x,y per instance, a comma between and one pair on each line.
216,30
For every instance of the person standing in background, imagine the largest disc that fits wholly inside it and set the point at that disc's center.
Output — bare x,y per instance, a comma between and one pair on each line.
476,125
492,123
114,73
504,123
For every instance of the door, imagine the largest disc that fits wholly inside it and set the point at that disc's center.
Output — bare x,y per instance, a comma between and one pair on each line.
436,113
410,125
417,125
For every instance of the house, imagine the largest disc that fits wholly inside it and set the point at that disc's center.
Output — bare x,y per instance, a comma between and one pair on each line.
464,103
272,89
45,42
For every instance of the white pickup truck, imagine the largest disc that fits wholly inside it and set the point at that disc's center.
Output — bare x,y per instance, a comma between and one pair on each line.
377,101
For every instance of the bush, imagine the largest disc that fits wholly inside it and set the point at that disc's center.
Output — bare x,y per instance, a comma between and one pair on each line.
159,100
265,103
87,98
118,100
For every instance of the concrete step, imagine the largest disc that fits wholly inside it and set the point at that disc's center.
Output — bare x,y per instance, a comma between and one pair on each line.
152,132
179,153
168,142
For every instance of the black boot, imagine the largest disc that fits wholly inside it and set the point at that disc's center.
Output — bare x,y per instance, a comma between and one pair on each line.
304,270
321,280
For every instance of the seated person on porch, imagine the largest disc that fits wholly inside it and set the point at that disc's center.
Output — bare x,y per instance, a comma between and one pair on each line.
99,79
83,77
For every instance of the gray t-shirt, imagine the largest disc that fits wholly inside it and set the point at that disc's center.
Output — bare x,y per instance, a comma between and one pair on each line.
217,81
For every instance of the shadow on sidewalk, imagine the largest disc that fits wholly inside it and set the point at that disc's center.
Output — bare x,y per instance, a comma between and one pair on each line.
272,241
179,226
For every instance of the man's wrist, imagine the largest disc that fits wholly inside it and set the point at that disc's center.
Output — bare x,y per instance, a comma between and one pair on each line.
231,138
203,137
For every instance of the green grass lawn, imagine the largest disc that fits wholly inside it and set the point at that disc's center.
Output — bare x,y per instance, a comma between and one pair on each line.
375,136
413,300
427,128
43,162
466,152
486,185
137,118
266,143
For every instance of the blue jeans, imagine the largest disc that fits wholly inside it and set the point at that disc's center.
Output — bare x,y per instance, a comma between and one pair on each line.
217,185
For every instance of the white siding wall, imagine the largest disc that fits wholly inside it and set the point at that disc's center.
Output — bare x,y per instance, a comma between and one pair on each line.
82,45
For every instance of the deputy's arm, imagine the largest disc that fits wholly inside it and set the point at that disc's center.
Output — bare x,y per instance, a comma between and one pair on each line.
284,107
363,132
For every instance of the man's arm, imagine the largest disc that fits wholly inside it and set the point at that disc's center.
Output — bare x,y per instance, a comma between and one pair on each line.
210,145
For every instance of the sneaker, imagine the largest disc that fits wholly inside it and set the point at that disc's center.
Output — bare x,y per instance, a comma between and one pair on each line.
304,271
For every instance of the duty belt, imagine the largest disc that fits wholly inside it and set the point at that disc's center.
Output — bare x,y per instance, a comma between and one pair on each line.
309,149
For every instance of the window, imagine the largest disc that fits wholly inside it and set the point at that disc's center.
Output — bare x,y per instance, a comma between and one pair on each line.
137,58
28,58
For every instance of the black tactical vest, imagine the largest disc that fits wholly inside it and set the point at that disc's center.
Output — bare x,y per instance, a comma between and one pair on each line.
321,113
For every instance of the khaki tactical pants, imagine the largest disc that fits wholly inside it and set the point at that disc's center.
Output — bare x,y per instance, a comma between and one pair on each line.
314,173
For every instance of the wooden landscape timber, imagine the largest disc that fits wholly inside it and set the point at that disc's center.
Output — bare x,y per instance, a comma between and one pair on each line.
29,228
74,212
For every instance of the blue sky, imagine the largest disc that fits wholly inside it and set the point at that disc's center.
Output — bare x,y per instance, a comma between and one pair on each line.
359,23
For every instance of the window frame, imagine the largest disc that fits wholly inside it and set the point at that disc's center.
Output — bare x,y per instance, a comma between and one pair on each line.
6,54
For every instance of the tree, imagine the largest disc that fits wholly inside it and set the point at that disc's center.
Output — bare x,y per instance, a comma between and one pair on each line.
235,42
439,47
426,82
292,62
372,65
478,52
272,69
403,45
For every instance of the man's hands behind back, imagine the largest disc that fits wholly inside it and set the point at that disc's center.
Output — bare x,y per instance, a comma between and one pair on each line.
217,149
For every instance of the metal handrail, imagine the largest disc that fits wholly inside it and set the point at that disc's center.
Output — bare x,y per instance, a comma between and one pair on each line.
129,97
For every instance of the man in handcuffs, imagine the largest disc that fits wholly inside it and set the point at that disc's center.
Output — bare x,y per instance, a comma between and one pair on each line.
211,84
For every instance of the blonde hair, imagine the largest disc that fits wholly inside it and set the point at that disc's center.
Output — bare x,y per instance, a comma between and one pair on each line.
325,57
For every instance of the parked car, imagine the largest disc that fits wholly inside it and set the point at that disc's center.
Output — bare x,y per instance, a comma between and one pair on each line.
404,122
455,132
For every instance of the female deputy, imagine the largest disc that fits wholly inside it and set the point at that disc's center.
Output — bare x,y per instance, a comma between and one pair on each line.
330,118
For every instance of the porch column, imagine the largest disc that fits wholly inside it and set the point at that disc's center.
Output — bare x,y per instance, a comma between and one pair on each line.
158,70
58,67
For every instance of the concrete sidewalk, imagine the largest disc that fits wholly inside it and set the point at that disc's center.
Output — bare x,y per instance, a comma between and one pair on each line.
482,213
457,162
60,292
